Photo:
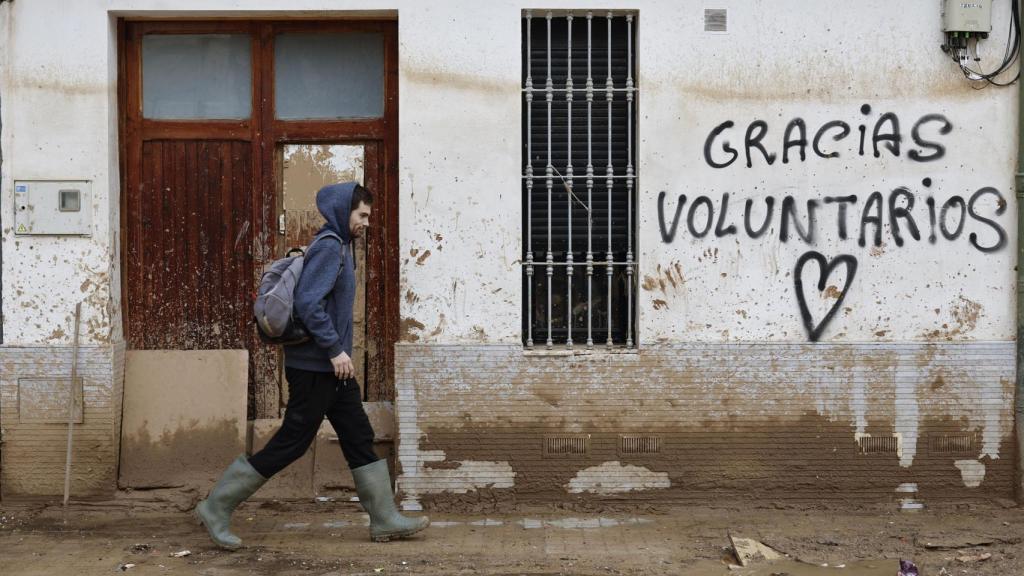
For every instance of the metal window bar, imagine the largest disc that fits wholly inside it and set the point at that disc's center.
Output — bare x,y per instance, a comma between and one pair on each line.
609,171
610,314
529,181
549,171
590,181
568,185
629,179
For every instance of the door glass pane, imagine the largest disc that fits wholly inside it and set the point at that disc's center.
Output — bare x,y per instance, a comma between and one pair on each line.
196,76
306,169
329,76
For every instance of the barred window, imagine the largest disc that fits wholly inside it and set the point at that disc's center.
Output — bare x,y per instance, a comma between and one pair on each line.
579,179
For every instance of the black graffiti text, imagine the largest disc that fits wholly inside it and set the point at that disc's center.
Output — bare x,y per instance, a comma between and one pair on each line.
863,219
884,134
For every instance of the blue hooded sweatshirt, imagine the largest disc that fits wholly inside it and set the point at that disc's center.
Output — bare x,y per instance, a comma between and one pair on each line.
327,288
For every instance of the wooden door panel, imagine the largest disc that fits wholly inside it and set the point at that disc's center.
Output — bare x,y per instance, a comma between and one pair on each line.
190,246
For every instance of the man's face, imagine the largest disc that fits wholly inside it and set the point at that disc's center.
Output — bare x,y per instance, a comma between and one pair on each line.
359,220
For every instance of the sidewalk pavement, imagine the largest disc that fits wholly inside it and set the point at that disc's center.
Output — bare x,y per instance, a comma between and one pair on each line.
331,538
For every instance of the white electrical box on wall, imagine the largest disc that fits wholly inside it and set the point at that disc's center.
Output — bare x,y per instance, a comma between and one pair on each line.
967,16
52,207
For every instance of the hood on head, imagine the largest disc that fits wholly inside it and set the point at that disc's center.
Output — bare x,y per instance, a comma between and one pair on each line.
335,204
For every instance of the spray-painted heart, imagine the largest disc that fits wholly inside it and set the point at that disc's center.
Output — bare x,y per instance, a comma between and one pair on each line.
825,266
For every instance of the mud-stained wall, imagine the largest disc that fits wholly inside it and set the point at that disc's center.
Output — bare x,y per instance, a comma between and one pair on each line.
813,216
57,126
34,452
184,416
775,421
460,199
4,23
792,89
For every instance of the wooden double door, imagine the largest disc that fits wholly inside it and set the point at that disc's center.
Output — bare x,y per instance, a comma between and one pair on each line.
227,131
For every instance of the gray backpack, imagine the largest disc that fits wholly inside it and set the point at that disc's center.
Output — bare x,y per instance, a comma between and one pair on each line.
275,301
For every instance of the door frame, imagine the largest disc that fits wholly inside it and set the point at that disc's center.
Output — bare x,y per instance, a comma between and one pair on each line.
266,133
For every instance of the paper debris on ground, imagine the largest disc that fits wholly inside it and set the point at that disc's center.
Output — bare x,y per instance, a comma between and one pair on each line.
953,542
968,558
749,551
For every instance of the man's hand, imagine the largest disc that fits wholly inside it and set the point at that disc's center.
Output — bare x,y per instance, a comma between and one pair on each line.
343,367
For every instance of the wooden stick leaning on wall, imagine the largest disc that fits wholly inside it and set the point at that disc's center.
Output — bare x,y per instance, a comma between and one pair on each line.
71,404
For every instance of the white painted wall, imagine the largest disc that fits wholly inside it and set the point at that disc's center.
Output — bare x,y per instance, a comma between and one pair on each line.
59,100
460,164
781,60
821,61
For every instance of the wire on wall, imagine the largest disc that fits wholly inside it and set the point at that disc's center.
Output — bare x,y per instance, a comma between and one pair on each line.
962,47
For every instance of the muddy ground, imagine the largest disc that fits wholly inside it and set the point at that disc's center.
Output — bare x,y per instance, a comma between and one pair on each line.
330,538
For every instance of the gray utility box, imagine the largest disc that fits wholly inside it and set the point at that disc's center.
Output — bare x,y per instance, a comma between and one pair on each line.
967,16
53,207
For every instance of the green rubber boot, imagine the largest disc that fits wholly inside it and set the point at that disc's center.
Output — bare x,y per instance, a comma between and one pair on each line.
239,482
373,484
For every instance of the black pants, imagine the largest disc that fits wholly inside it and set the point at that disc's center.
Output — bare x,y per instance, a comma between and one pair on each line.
311,396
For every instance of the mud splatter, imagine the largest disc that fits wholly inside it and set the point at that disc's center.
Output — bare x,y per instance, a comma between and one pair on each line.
439,329
411,297
409,328
965,314
670,276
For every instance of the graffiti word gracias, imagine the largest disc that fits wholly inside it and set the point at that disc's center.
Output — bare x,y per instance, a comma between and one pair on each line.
883,134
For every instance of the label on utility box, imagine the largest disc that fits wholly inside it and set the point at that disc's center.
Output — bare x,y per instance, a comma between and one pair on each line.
967,16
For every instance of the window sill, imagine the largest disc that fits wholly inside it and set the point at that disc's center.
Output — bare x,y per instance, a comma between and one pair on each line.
560,350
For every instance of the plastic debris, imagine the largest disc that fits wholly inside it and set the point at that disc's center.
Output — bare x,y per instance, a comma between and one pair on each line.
181,554
968,558
908,568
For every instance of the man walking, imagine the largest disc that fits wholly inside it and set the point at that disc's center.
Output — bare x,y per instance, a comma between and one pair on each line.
321,382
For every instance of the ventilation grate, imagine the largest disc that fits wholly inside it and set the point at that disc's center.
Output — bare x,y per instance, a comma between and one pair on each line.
567,445
879,444
953,443
716,20
639,444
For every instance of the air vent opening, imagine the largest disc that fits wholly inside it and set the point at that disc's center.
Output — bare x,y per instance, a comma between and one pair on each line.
639,444
879,444
958,443
716,20
562,445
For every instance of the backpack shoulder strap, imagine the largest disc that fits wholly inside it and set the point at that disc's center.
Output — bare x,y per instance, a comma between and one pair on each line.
329,234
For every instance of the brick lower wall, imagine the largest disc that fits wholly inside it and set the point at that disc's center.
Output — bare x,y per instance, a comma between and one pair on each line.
760,420
33,452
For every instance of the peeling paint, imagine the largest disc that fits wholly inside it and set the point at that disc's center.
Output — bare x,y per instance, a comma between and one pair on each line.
972,471
615,478
907,415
